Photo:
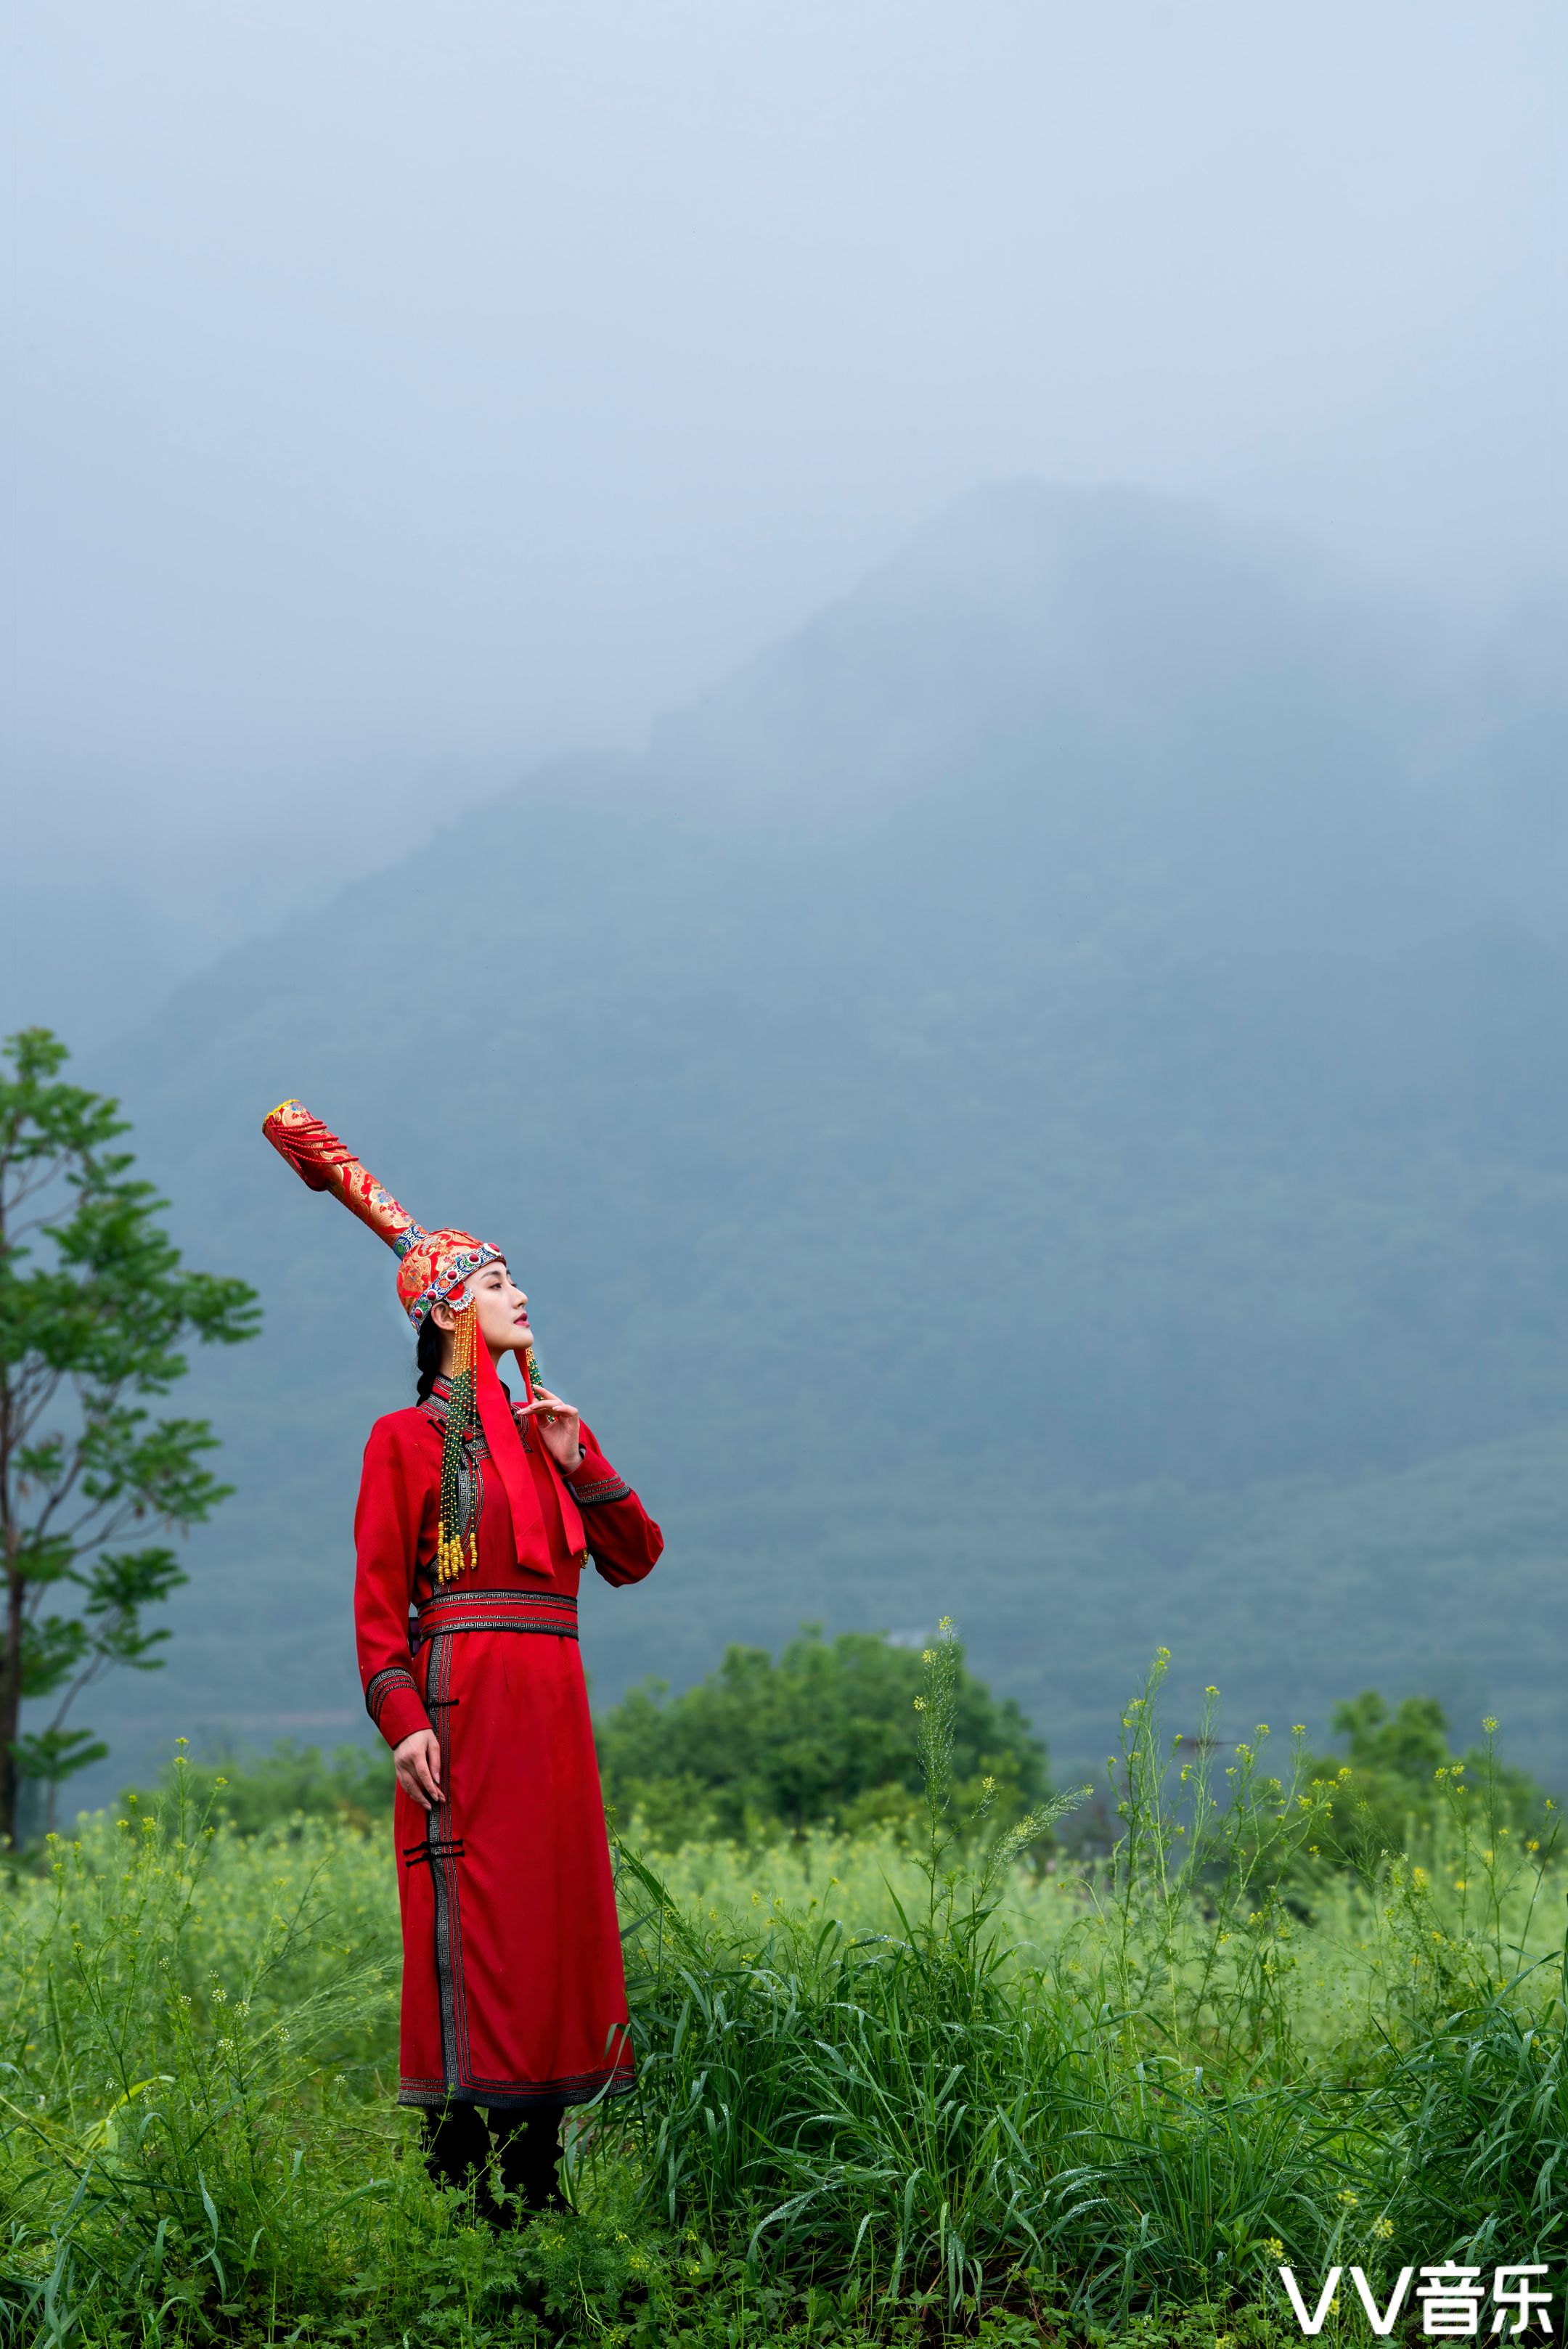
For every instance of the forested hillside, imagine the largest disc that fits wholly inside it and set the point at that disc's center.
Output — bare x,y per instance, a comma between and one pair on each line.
1045,1099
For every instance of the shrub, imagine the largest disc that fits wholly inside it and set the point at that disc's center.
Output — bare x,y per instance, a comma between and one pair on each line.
254,1792
1388,1793
829,1732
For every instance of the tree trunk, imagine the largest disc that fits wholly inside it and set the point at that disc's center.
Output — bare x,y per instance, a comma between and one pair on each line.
10,1706
11,1654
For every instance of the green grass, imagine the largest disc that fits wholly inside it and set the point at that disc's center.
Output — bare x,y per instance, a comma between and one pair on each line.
892,2089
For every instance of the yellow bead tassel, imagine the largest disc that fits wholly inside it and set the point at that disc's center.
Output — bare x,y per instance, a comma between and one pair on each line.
455,1551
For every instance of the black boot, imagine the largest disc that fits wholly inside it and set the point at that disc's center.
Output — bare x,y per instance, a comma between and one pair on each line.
457,2153
527,2148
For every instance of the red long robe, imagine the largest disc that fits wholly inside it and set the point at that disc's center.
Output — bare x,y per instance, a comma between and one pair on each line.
513,1993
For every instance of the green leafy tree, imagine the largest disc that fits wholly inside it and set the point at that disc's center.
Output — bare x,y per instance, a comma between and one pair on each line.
87,1474
830,1730
1389,1788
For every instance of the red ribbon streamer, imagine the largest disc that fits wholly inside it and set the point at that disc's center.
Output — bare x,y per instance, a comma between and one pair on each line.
506,1443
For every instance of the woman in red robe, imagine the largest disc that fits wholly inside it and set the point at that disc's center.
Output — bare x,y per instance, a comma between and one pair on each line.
477,1514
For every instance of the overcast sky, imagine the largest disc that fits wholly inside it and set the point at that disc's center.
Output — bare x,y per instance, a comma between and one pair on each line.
403,392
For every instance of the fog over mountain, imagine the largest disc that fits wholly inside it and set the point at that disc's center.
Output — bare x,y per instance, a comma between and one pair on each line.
400,397
1044,1098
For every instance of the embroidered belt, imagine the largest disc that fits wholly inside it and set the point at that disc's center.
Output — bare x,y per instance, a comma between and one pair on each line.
551,1611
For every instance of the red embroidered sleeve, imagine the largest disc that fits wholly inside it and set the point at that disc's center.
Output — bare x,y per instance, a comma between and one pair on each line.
623,1540
393,1502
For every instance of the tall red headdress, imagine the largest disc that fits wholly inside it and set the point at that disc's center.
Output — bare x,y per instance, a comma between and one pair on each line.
434,1268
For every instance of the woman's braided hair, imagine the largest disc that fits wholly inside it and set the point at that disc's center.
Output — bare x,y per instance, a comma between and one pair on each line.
457,1543
427,1358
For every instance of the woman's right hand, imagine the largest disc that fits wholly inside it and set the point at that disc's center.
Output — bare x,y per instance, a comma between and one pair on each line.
417,1764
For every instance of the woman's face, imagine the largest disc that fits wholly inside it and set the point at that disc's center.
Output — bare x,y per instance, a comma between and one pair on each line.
502,1308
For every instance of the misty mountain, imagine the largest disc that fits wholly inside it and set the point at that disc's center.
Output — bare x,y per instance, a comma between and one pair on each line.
1044,1099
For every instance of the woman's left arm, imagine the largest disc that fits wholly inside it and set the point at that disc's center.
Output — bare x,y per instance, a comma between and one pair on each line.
623,1540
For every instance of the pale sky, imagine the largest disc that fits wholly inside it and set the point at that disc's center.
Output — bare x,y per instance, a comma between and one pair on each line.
401,393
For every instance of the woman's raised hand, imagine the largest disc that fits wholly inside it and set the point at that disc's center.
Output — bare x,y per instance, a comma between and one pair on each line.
417,1761
560,1428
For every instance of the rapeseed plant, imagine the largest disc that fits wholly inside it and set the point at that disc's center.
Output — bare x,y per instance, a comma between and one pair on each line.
931,2079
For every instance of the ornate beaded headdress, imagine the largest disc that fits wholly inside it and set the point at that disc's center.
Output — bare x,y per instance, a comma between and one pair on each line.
431,1266
434,1268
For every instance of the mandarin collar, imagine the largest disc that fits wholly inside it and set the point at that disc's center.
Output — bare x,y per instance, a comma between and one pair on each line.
440,1392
